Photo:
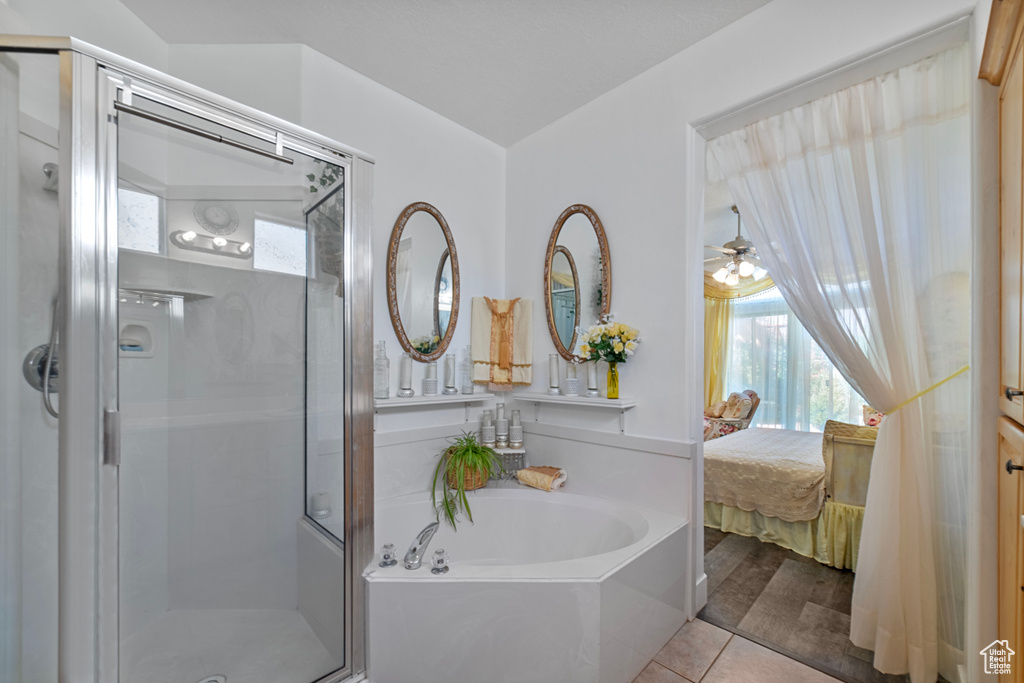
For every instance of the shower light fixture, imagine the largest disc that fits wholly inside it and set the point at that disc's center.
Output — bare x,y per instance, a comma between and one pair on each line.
211,245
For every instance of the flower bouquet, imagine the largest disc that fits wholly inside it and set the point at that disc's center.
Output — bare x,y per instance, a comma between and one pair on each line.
611,342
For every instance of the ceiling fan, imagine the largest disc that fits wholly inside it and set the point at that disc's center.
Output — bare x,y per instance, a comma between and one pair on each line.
740,260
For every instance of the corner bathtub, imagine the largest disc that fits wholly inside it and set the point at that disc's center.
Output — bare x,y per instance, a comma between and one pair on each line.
543,587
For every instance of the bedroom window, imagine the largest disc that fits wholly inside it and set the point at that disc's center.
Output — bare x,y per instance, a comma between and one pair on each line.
771,353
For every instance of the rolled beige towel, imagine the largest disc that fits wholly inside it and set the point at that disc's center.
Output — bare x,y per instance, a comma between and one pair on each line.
543,478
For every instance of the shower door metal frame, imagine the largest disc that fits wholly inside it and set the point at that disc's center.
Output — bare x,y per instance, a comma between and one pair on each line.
91,80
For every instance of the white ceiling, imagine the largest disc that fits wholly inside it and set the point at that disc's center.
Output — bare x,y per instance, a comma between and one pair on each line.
502,68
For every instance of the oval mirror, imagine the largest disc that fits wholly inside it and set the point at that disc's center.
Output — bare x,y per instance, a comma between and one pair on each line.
577,277
423,281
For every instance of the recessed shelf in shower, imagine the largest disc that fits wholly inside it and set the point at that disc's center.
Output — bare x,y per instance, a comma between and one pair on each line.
136,339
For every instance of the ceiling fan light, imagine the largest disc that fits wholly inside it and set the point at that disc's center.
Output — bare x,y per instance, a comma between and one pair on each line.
721,274
732,279
746,268
759,273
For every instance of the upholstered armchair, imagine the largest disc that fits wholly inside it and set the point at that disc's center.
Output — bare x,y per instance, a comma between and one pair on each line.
731,415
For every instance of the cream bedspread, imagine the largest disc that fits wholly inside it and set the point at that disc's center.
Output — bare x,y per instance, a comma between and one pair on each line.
777,472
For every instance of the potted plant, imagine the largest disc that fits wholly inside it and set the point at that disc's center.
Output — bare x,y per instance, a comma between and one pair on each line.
465,465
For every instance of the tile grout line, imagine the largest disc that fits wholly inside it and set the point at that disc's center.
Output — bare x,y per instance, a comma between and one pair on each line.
712,664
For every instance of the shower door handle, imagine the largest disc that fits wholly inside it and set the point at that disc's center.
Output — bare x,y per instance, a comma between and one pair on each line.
112,438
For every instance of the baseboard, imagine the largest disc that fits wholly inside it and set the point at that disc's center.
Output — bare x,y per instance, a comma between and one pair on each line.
700,595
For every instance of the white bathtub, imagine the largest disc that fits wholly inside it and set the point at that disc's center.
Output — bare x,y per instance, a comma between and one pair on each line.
543,587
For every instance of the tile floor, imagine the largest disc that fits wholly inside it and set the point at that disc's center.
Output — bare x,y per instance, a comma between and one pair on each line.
703,653
255,646
787,602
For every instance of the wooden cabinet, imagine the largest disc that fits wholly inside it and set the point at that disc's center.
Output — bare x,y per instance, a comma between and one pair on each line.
1011,156
1002,64
1011,543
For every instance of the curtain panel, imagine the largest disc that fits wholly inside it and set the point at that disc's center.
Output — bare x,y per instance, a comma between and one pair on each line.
717,326
717,331
859,203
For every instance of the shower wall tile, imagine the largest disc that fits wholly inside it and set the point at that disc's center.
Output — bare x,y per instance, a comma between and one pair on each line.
143,527
235,502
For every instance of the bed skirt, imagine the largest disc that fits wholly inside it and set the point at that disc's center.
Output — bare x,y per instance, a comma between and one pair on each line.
833,538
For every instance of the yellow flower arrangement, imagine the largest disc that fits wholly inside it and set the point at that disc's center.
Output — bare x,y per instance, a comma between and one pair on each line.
609,341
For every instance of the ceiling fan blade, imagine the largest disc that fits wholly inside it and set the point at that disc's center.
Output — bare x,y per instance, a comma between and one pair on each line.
723,259
721,249
753,259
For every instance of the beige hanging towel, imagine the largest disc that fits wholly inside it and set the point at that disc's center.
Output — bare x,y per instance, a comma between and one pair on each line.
502,342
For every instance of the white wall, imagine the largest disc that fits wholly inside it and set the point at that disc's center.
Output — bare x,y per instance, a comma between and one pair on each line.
624,155
104,23
632,156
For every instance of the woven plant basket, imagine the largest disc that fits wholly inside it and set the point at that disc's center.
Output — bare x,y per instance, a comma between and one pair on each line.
474,479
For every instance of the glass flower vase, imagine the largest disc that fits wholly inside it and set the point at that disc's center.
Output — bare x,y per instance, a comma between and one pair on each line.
613,380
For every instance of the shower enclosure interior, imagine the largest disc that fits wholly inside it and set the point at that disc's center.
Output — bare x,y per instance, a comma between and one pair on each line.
184,306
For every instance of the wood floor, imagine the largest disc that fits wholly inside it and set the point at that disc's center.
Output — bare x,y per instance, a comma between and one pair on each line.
786,602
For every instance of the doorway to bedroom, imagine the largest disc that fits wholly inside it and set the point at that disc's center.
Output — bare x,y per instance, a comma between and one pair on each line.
853,201
774,407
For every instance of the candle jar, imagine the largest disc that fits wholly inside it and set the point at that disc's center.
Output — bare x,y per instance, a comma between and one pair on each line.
501,432
515,436
571,385
381,373
592,391
430,380
553,389
449,375
405,376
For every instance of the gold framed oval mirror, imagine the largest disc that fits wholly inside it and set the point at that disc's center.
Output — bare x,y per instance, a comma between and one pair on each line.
577,277
423,281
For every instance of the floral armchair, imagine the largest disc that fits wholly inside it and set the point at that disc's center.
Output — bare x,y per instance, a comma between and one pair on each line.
732,415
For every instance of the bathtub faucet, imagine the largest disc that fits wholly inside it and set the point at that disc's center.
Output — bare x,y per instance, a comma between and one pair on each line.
414,555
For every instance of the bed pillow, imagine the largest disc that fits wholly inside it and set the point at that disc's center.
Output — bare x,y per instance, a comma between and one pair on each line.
871,417
715,410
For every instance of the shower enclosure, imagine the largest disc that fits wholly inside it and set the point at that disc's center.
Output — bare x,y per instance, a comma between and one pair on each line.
186,436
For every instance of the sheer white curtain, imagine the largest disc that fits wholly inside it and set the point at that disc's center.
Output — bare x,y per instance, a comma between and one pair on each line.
859,203
771,353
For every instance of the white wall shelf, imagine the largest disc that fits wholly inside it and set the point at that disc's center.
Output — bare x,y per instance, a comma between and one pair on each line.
621,404
624,403
397,403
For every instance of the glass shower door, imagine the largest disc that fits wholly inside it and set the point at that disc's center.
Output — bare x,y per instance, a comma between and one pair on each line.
29,250
232,398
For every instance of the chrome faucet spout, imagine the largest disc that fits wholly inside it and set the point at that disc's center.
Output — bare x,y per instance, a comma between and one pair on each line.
414,555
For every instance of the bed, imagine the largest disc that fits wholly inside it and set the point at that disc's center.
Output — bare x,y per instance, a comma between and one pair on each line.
801,490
